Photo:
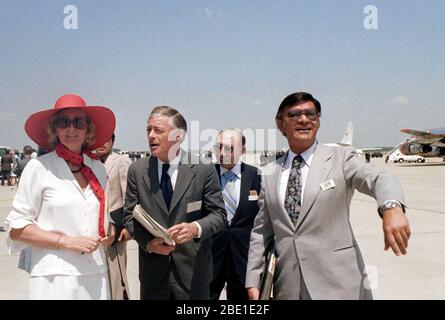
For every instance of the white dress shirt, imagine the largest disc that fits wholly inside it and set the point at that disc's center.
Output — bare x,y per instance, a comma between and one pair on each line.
173,173
50,196
237,171
307,157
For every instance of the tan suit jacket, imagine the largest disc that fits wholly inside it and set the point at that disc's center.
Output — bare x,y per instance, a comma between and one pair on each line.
117,168
321,248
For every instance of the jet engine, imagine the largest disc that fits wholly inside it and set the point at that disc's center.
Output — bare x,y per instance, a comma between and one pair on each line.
410,148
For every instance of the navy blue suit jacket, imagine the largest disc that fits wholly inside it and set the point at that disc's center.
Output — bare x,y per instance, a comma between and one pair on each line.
234,239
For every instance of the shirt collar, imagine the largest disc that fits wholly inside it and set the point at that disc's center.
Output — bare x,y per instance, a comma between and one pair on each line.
236,169
307,155
174,162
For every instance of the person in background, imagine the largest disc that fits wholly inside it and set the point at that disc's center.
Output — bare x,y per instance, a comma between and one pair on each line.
240,184
117,168
18,170
15,161
6,166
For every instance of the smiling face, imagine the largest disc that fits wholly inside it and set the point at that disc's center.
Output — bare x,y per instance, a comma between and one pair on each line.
300,124
164,140
71,137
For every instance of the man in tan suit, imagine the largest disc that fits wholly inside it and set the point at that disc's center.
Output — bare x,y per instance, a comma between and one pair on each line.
305,205
117,168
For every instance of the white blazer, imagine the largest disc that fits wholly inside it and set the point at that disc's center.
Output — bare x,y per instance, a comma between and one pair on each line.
50,196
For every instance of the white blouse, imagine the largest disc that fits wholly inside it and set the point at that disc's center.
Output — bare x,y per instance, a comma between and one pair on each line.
50,196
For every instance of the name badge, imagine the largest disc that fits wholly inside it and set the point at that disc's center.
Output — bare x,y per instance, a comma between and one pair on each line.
194,206
253,195
327,185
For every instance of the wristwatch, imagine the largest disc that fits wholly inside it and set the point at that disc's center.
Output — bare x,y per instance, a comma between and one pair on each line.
389,204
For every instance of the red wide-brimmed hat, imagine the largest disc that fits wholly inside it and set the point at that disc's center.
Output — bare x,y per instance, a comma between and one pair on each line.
102,117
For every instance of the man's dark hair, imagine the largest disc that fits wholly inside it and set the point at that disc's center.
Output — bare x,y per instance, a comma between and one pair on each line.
113,137
28,150
295,99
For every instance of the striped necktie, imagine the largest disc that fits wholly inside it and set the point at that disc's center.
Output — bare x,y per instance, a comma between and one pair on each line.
229,194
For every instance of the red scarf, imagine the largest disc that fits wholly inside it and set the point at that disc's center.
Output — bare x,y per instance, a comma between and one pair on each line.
77,159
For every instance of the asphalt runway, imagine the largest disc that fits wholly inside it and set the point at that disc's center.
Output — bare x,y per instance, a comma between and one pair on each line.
418,275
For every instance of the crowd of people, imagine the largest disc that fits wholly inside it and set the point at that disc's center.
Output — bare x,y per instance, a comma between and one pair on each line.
13,162
72,214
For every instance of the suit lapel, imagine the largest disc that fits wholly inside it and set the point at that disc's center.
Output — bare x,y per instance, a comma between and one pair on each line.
218,169
151,179
110,162
183,180
318,171
274,189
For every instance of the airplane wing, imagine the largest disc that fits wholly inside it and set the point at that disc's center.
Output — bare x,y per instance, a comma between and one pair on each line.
426,135
371,149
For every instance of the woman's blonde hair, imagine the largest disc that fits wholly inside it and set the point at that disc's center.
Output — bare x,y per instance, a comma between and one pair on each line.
53,140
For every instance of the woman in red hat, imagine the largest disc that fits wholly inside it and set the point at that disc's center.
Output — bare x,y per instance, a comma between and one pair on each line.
59,207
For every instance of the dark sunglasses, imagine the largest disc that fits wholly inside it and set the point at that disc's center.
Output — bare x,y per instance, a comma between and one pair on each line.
65,122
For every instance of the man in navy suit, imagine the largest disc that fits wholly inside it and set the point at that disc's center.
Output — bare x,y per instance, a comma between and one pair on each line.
241,184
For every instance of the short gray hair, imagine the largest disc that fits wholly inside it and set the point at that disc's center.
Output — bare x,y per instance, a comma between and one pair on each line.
237,132
169,112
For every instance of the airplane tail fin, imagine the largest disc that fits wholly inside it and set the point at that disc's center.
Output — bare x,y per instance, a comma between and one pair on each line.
348,135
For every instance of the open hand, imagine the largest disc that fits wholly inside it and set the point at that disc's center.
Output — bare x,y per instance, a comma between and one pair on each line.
396,230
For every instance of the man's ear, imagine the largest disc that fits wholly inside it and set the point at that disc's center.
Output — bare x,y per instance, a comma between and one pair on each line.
180,136
279,123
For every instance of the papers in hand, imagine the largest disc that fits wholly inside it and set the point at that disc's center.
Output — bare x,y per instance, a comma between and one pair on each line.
151,225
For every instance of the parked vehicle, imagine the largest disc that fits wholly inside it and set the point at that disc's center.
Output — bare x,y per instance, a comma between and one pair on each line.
399,157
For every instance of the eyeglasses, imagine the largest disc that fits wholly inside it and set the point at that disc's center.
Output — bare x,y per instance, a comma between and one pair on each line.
310,114
64,122
226,148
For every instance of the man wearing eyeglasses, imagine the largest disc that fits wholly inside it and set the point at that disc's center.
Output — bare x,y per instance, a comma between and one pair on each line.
240,184
305,204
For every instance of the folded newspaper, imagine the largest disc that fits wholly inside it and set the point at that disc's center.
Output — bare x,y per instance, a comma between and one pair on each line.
151,225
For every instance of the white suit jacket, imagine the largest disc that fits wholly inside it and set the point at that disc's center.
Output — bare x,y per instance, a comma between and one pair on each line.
50,196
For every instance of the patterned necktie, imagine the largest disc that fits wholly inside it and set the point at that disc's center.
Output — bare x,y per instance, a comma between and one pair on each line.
166,185
292,200
229,194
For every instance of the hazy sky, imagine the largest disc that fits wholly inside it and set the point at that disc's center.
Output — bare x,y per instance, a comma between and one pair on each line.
227,63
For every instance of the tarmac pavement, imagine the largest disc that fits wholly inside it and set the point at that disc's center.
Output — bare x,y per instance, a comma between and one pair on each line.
418,275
